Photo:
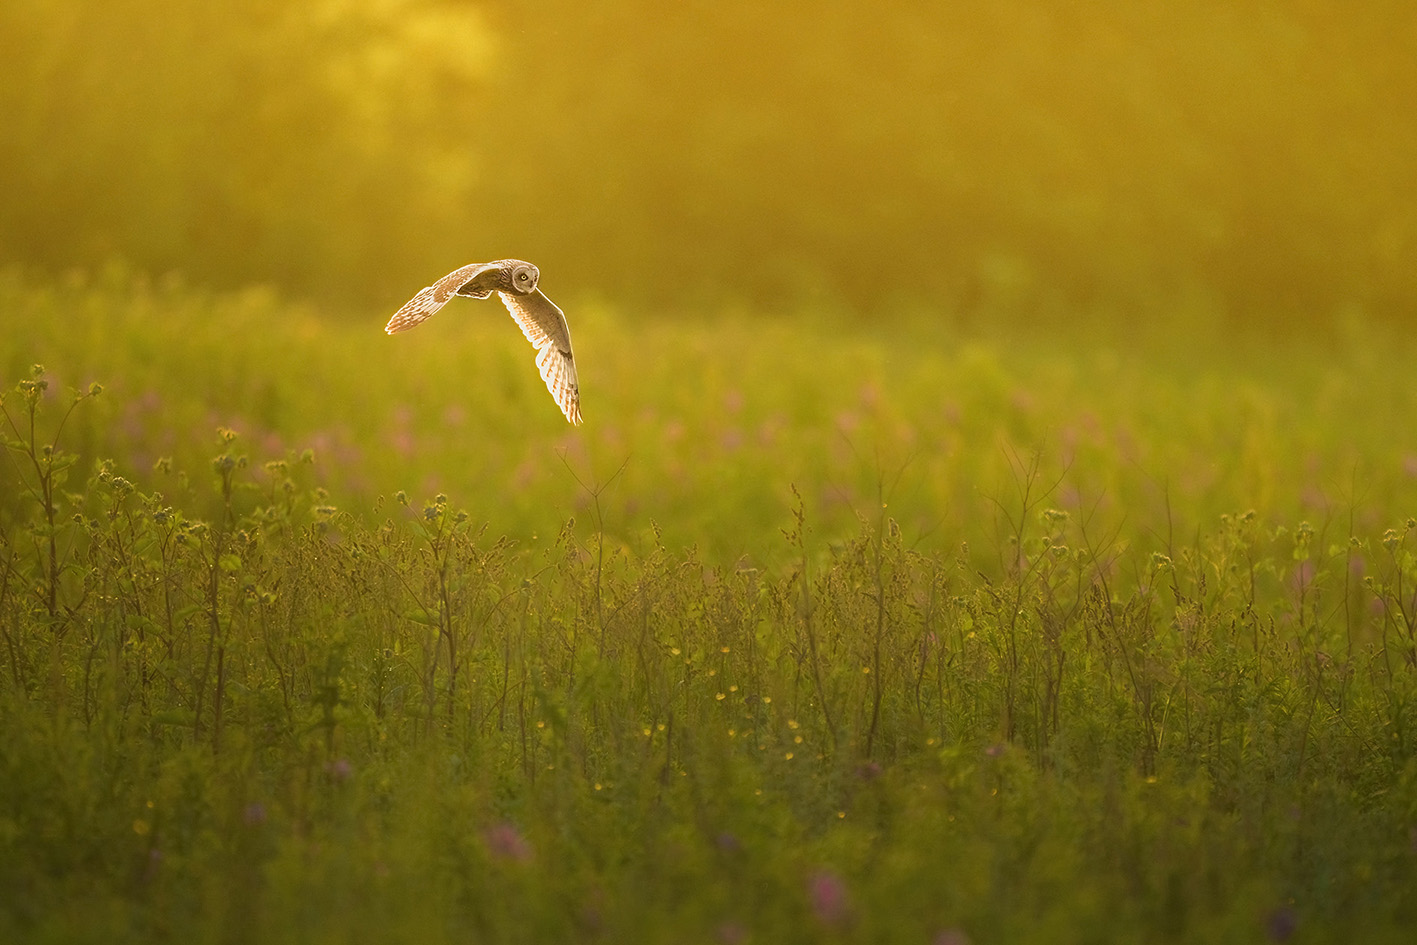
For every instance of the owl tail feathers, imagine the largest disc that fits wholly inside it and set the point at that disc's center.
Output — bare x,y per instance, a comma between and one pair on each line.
416,310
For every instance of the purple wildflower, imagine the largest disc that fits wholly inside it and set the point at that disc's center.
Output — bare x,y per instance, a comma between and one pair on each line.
505,842
1281,924
828,897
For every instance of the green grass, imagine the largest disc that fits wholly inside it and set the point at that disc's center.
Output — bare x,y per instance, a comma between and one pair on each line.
812,633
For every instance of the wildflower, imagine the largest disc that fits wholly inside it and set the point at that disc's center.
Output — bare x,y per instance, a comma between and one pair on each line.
1281,924
731,933
505,842
339,770
254,815
828,897
951,937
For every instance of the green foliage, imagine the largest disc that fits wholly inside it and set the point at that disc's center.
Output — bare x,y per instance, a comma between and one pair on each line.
252,702
709,425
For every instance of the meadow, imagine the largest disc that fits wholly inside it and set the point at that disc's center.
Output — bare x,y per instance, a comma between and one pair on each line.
949,628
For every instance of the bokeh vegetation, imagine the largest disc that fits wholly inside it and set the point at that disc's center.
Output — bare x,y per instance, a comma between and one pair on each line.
1019,641
1018,159
696,424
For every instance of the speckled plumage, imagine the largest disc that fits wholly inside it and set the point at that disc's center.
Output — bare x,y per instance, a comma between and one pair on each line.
544,325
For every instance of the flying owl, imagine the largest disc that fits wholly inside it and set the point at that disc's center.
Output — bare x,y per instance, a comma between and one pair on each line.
541,321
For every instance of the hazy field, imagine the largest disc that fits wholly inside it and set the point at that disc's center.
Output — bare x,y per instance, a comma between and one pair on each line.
927,632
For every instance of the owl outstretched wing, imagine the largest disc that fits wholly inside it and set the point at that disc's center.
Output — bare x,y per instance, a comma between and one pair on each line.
427,302
544,325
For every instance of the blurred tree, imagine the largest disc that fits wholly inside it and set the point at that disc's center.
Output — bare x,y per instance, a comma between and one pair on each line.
1255,153
1021,156
316,146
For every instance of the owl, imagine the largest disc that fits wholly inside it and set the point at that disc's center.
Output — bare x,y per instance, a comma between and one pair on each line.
541,321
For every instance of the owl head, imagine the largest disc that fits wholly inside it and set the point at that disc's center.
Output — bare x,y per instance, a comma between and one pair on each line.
522,277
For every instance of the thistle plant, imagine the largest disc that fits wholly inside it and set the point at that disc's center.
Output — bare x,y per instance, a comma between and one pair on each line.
41,468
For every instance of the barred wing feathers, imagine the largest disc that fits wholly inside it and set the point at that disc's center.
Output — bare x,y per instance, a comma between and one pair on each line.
544,325
427,302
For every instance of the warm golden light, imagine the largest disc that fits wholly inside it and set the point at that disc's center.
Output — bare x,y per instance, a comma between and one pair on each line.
989,160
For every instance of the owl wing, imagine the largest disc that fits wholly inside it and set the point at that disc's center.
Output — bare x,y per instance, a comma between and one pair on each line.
545,327
427,302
